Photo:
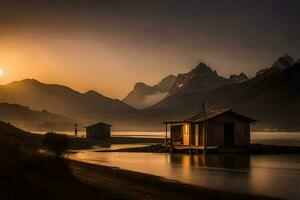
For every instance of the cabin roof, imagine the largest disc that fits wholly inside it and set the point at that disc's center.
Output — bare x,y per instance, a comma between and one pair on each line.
99,124
211,114
214,113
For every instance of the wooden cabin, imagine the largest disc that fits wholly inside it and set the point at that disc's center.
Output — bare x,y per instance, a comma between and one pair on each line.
211,129
99,131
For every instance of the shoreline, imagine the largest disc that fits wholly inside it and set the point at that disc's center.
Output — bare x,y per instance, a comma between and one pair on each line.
124,184
27,173
78,143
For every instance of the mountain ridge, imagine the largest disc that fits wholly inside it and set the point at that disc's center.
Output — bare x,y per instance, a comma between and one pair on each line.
266,98
201,78
272,97
144,95
34,120
89,107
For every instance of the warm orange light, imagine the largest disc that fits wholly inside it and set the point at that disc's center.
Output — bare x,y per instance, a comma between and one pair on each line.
186,128
186,135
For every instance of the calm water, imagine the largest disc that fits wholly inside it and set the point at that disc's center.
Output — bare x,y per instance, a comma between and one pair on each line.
139,134
115,147
272,175
275,138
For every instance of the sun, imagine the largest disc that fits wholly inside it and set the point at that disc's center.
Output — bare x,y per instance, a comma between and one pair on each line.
1,72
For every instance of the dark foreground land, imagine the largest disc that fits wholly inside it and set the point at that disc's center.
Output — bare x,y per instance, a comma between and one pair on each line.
88,182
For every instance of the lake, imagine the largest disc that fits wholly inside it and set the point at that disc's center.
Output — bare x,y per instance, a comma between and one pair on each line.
271,175
275,138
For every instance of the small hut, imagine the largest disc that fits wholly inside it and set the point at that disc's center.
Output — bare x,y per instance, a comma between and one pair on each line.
99,131
210,129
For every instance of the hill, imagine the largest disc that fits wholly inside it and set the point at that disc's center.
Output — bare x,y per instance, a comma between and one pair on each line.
87,107
33,120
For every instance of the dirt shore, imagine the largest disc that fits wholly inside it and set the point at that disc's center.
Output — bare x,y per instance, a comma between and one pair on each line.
122,184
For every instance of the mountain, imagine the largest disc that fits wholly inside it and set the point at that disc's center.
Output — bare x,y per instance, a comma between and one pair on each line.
87,107
281,64
272,98
197,82
144,95
201,79
28,119
166,83
239,78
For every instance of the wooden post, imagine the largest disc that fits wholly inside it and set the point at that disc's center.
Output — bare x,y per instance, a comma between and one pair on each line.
171,141
171,138
166,134
204,127
190,136
76,130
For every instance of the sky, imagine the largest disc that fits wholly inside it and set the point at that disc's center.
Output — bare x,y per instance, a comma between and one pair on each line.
109,45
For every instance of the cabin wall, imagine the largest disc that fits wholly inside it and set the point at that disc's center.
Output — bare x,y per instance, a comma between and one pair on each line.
200,129
177,134
215,132
192,134
242,133
98,132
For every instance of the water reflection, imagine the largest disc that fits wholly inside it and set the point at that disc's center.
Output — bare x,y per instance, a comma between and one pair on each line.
108,147
271,175
229,161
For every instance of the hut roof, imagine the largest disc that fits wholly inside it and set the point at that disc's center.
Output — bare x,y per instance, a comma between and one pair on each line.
99,124
214,113
211,114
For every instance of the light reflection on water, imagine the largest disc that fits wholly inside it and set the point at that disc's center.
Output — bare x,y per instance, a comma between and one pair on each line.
272,175
106,147
274,138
